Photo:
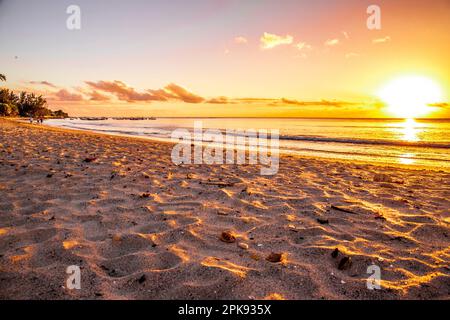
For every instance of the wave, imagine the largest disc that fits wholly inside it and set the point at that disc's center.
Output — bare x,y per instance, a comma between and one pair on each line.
355,141
420,144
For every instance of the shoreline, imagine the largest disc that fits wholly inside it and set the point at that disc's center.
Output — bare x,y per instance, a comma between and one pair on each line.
284,153
140,227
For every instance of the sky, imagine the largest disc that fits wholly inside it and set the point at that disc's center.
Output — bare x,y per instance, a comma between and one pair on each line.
258,58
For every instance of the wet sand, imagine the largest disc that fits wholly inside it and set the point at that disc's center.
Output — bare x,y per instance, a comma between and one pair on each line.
141,227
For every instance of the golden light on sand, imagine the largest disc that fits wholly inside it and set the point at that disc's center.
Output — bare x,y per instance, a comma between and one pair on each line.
69,244
214,262
410,96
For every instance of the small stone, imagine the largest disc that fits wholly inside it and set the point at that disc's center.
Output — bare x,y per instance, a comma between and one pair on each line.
275,257
142,279
322,221
343,282
380,177
49,175
90,159
228,237
335,253
145,195
345,263
243,245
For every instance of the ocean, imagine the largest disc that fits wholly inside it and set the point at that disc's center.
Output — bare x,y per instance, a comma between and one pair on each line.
423,143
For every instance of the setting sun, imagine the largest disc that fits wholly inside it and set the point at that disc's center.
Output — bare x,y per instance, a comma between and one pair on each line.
410,96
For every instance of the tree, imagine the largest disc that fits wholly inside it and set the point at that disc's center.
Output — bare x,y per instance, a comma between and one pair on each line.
30,105
8,110
8,97
60,114
25,104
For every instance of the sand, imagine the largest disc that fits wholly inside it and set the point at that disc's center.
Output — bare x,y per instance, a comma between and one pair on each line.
140,227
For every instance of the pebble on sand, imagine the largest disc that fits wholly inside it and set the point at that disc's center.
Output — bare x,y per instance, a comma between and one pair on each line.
381,177
276,257
243,245
142,279
345,263
228,237
335,253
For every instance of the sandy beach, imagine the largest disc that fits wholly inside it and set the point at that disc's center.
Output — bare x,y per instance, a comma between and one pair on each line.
141,227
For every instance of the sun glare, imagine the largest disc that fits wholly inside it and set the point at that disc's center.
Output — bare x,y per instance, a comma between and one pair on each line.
410,96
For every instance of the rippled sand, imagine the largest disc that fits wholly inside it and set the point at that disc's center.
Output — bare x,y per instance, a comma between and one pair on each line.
142,228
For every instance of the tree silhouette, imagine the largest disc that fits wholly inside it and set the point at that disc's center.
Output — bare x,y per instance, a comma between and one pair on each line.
2,77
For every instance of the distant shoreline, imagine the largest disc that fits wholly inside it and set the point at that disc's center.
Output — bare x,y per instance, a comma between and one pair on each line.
392,166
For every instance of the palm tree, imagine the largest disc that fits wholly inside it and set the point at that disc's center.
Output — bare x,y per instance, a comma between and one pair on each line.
2,77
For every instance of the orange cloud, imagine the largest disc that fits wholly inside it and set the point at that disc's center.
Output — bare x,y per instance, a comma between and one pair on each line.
318,103
43,83
303,46
126,93
439,105
183,94
240,40
122,91
97,96
269,40
351,55
381,40
65,95
332,42
219,100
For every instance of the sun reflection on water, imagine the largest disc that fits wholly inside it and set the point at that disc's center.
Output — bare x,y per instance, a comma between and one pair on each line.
407,158
410,130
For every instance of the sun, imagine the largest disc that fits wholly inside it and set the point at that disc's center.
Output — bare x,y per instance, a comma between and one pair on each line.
410,96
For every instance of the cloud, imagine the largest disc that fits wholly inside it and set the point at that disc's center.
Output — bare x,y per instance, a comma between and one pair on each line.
126,93
43,83
219,100
254,100
65,95
97,96
381,40
346,35
351,55
439,105
122,91
270,41
240,40
303,46
183,94
328,103
331,42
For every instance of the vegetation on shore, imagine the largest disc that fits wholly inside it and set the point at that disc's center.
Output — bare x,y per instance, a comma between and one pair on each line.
25,104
